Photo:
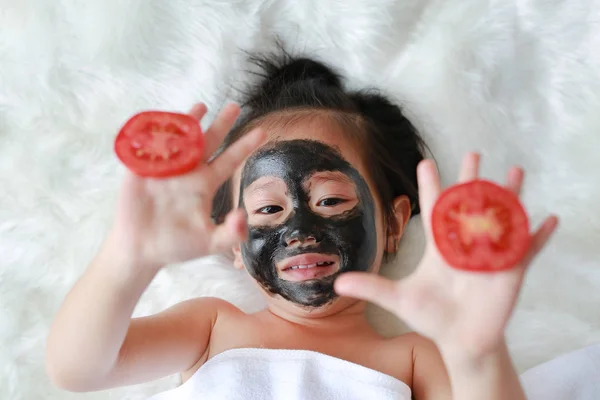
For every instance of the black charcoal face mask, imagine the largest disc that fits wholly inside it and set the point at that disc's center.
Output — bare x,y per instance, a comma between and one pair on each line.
350,235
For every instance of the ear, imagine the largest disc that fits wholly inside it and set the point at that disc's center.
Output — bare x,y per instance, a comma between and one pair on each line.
401,215
238,263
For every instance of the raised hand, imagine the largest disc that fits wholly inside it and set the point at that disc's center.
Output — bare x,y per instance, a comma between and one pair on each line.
466,311
162,221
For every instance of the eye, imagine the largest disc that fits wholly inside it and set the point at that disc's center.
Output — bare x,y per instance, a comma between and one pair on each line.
330,202
269,210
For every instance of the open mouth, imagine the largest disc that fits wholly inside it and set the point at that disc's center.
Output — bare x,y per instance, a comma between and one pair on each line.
308,266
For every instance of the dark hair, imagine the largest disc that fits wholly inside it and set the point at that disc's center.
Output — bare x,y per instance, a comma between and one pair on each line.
390,144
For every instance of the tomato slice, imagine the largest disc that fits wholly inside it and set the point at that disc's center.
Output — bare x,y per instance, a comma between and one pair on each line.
480,226
160,144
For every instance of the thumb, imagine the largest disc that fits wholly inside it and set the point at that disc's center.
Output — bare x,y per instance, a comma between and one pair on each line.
370,287
231,232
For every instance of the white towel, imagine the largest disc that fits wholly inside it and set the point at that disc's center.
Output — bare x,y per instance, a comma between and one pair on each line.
573,376
267,374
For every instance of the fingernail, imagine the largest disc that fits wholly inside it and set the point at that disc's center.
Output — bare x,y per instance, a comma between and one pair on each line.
197,107
233,104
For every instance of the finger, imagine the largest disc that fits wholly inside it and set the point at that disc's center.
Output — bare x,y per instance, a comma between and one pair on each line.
470,167
131,194
222,167
219,129
231,232
429,189
369,287
219,169
540,238
198,111
514,179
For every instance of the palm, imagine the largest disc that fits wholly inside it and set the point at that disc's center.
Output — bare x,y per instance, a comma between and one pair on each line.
466,309
166,221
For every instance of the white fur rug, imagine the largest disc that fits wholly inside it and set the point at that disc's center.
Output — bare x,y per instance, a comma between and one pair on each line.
518,80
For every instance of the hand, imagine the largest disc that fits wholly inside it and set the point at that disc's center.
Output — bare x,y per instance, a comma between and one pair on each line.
459,310
163,221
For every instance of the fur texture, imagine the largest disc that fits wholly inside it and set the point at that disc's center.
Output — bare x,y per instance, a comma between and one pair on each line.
518,80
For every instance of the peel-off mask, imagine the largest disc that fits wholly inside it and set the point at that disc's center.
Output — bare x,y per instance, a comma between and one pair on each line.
348,240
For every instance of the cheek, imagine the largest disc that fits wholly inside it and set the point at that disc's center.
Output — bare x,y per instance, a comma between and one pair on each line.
379,221
381,234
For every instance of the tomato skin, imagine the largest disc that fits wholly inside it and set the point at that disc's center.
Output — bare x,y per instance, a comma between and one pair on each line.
480,226
159,144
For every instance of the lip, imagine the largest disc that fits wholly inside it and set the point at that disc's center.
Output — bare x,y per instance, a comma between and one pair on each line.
285,271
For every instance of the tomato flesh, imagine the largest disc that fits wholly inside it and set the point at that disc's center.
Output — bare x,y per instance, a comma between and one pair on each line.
480,226
160,144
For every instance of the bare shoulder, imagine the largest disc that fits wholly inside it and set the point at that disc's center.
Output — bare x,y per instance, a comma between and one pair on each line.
417,343
220,306
203,316
168,342
411,343
429,376
392,356
212,310
423,350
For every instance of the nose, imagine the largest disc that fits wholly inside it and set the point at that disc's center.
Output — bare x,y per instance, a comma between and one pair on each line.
297,239
301,231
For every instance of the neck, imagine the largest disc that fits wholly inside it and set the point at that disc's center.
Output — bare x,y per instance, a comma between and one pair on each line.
333,318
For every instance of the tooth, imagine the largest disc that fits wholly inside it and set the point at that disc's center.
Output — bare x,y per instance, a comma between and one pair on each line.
305,266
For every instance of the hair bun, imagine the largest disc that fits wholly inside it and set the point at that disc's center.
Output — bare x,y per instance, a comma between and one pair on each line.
287,82
303,69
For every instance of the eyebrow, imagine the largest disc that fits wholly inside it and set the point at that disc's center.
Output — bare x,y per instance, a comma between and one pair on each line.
328,176
261,187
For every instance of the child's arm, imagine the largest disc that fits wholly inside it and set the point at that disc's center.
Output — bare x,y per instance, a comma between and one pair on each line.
464,313
93,343
491,376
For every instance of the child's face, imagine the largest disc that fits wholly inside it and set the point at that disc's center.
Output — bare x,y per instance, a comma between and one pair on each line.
312,210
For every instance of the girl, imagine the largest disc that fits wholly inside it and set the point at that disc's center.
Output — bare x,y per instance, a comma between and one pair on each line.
312,190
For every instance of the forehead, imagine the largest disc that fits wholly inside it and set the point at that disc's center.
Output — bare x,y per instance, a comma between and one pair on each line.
317,127
294,160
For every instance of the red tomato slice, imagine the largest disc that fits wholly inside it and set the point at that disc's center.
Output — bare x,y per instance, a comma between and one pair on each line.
480,226
160,144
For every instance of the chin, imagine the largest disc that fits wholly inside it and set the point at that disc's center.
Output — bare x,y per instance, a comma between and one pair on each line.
334,306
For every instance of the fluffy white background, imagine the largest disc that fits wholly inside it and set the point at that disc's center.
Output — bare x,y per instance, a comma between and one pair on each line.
518,80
